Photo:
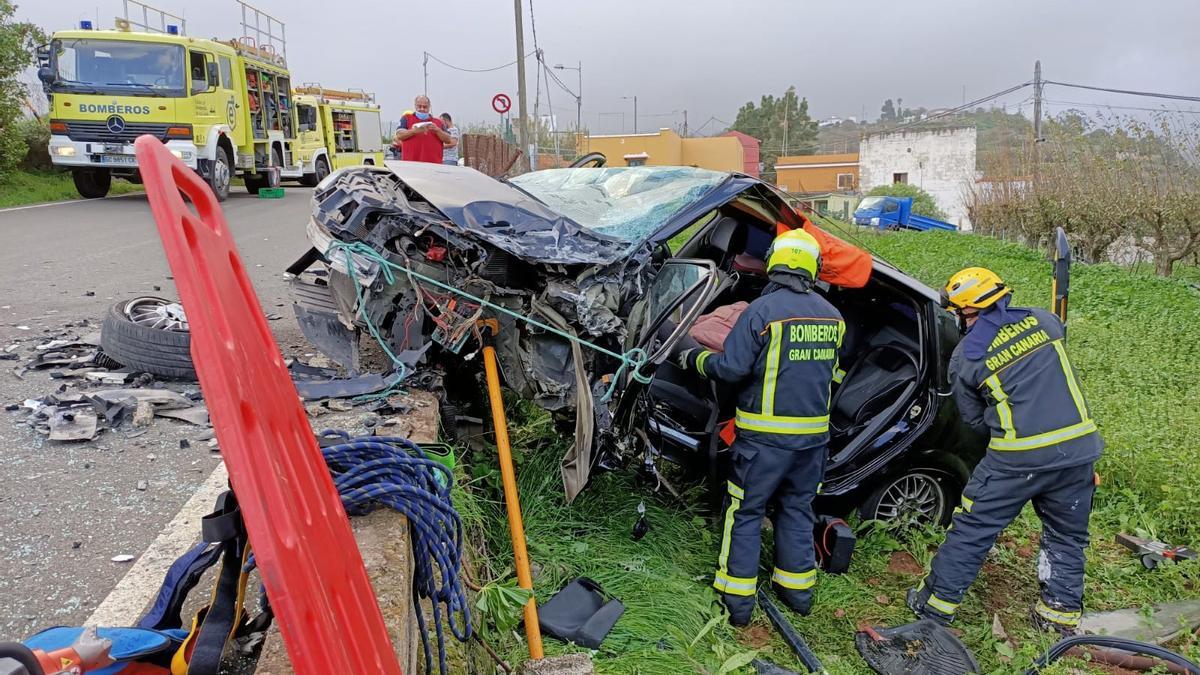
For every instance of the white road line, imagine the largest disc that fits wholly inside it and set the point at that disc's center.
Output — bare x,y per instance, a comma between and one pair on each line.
70,201
136,590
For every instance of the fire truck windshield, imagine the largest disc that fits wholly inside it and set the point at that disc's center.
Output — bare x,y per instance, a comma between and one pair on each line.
118,67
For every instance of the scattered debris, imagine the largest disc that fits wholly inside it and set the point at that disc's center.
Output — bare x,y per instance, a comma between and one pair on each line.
184,444
143,414
142,485
73,423
122,558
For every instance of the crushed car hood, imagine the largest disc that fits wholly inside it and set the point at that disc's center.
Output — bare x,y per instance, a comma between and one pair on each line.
506,217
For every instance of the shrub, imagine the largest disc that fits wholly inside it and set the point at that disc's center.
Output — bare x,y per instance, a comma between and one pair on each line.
923,203
36,135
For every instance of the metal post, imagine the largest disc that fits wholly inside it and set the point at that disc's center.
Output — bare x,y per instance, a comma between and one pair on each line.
522,123
579,100
635,114
425,67
533,630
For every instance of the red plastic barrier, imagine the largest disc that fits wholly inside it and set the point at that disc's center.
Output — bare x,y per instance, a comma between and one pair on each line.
306,553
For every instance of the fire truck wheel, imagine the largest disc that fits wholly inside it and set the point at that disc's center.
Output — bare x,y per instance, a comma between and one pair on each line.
219,173
320,171
254,182
92,183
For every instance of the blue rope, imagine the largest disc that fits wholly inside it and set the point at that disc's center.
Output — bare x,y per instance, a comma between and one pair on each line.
391,471
633,360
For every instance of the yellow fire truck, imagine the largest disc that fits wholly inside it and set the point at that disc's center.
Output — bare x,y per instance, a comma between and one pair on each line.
223,107
337,129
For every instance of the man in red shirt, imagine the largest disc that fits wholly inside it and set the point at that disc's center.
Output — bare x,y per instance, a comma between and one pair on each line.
421,136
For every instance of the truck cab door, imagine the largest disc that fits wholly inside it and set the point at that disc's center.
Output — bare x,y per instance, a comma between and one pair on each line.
312,136
230,104
208,101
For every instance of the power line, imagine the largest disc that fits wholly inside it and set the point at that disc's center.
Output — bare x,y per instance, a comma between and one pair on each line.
476,70
958,109
1122,107
1174,97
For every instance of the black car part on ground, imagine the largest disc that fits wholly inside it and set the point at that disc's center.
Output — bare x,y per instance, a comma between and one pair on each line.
580,613
149,335
789,634
923,647
1105,642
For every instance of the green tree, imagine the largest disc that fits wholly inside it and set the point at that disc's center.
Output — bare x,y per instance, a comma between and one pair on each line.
888,112
17,43
923,203
782,125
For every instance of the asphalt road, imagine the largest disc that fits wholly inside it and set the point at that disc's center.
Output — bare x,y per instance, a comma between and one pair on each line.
66,508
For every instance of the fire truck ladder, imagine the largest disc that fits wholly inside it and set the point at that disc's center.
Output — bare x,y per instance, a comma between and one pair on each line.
154,20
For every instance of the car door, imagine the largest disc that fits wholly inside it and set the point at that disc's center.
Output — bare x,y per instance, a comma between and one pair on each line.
681,292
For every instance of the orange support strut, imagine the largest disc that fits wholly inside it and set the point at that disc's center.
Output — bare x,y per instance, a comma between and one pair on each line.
533,630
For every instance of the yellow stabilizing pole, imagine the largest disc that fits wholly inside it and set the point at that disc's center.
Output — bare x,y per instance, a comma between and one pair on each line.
533,631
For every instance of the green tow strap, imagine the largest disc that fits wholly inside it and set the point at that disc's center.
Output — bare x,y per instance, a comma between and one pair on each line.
631,361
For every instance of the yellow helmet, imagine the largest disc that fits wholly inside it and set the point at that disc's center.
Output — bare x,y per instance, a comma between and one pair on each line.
796,250
975,287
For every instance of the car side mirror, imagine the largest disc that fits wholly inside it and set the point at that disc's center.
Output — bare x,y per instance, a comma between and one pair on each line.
46,74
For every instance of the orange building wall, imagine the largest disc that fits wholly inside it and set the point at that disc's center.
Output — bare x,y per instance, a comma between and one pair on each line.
815,173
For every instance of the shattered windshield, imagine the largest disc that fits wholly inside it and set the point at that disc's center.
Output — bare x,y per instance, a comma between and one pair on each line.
626,203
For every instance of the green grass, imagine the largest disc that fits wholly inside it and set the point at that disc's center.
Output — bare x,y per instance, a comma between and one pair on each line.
35,187
1135,339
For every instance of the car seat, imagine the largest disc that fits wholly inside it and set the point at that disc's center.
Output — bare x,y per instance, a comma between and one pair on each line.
873,384
727,240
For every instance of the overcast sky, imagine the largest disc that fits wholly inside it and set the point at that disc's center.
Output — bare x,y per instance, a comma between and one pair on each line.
709,57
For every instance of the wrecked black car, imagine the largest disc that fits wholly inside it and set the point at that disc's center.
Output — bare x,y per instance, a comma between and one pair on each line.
636,258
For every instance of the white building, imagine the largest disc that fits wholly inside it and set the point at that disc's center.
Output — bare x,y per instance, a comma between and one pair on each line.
939,161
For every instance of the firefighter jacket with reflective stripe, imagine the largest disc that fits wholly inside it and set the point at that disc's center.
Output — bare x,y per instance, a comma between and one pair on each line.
781,355
1025,394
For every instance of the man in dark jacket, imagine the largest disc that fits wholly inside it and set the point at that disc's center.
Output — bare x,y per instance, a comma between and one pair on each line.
780,356
1012,381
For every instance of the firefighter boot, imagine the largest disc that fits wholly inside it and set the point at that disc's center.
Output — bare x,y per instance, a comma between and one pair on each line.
918,600
740,607
1050,620
799,602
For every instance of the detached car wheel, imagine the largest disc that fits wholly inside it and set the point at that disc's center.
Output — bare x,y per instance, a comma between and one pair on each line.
914,498
149,335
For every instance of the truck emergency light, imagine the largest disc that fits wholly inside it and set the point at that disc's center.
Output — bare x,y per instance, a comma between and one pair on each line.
172,29
85,25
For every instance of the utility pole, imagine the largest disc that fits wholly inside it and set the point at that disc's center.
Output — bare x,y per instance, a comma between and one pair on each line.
523,122
1037,102
786,101
685,129
425,66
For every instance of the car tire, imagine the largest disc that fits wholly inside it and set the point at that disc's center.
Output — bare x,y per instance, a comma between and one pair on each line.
219,172
913,497
92,183
143,347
